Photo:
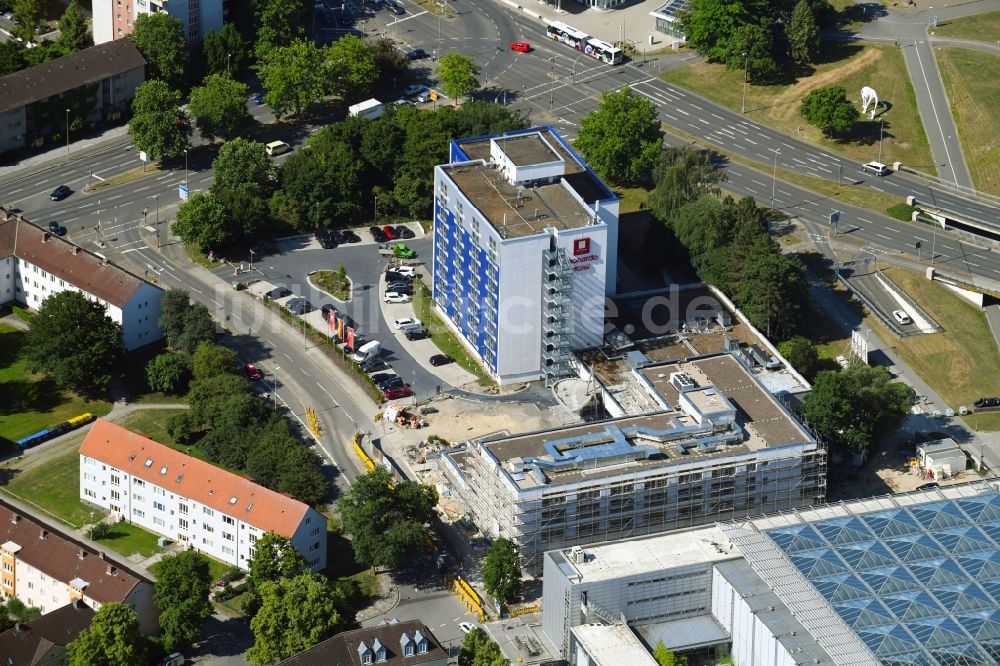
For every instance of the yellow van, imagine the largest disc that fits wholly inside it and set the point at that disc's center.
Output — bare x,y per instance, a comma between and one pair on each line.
277,148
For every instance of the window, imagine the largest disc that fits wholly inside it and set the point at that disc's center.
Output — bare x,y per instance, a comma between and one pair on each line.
314,531
138,513
139,482
159,506
115,495
228,521
206,542
208,528
226,550
159,521
87,476
227,536
366,658
137,498
182,508
408,651
182,523
159,491
208,512
89,493
116,480
422,648
314,546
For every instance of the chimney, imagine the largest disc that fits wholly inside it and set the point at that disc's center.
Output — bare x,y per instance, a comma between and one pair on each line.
46,236
18,629
112,571
100,554
15,519
76,249
44,535
78,604
104,261
81,553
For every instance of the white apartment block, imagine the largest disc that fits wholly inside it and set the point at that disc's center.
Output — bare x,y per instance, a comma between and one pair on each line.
35,264
115,19
47,569
191,501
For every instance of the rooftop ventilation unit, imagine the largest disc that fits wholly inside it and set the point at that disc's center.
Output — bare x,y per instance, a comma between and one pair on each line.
682,381
578,555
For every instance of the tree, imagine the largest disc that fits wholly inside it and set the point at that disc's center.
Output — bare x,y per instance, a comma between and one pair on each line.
278,24
829,109
160,39
773,293
664,657
751,47
478,649
851,407
185,325
386,519
183,583
73,32
219,106
294,76
112,639
390,62
244,163
168,373
711,24
199,327
158,125
212,360
73,340
27,14
295,614
801,353
11,57
502,571
172,308
803,34
203,220
351,66
622,138
275,559
681,176
224,51
458,74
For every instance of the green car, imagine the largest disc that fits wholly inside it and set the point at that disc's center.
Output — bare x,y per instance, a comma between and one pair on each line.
401,251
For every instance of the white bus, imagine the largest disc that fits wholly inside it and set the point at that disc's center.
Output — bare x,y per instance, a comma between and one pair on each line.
603,51
581,41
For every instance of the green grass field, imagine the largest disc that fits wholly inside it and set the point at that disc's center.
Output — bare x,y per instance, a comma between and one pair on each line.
846,65
127,539
975,101
984,27
30,402
961,363
442,336
54,487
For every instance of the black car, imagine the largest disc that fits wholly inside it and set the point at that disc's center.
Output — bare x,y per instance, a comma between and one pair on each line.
404,232
386,380
60,193
278,292
374,365
400,288
395,8
416,54
349,236
299,306
441,359
325,240
393,276
418,334
377,235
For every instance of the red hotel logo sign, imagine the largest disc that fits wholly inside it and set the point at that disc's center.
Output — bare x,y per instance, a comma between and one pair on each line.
582,255
581,246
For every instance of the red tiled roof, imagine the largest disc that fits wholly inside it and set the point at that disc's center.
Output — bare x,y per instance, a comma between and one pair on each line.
63,558
195,479
84,270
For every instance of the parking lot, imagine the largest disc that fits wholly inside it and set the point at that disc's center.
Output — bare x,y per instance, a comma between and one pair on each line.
295,258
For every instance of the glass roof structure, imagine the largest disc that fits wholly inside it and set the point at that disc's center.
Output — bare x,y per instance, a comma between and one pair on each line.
917,583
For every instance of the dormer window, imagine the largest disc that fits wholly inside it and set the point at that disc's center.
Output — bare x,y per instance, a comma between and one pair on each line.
406,643
365,653
421,642
379,650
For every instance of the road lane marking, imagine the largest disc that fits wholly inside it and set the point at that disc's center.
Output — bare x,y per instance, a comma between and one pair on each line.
883,236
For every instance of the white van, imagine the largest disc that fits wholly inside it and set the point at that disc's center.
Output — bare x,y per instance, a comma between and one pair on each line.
876,168
367,351
277,148
901,317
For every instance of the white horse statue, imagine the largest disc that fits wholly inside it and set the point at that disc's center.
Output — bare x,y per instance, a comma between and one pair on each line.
869,96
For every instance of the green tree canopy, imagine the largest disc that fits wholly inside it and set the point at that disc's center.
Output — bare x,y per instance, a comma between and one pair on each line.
244,163
294,76
829,109
773,293
158,125
622,138
502,571
203,220
351,67
478,649
681,176
12,57
803,34
160,39
711,24
386,519
458,73
218,106
27,14
801,353
212,360
275,559
225,52
185,324
278,23
73,340
73,31
295,614
112,639
851,407
183,583
752,47
664,657
168,373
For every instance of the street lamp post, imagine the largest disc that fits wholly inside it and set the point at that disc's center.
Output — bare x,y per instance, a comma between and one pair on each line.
67,133
228,59
573,75
156,198
376,210
274,387
881,125
144,211
746,79
185,167
774,176
251,265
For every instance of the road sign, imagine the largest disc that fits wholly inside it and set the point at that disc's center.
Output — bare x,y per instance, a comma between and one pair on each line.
182,190
834,218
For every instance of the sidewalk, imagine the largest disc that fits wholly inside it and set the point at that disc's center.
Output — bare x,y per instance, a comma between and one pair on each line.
78,151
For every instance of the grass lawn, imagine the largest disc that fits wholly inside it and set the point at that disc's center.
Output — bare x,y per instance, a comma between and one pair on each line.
984,27
975,99
961,363
54,487
443,336
153,424
336,283
215,568
30,402
847,65
126,538
135,377
633,199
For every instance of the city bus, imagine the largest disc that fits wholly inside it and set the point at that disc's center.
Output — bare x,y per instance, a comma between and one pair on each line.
581,41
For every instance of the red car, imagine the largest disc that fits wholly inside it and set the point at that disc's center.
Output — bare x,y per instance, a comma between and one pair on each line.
522,47
252,371
390,232
397,392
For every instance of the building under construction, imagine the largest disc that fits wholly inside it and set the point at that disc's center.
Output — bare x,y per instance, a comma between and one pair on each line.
714,444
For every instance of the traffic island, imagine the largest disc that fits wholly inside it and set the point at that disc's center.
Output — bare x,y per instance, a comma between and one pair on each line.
336,283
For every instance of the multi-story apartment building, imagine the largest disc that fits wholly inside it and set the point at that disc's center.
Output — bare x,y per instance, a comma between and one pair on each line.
35,264
191,501
43,642
47,569
91,85
525,250
716,445
115,19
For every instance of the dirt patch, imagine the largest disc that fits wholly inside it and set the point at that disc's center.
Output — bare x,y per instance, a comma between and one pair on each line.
786,105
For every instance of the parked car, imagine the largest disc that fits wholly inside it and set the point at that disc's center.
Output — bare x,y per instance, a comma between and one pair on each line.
928,486
412,89
396,392
60,193
394,276
404,232
299,306
348,236
396,9
390,232
466,627
396,297
278,292
441,359
416,54
173,659
417,334
424,96
521,47
374,365
405,271
901,317
252,371
386,380
377,235
403,322
400,288
54,227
